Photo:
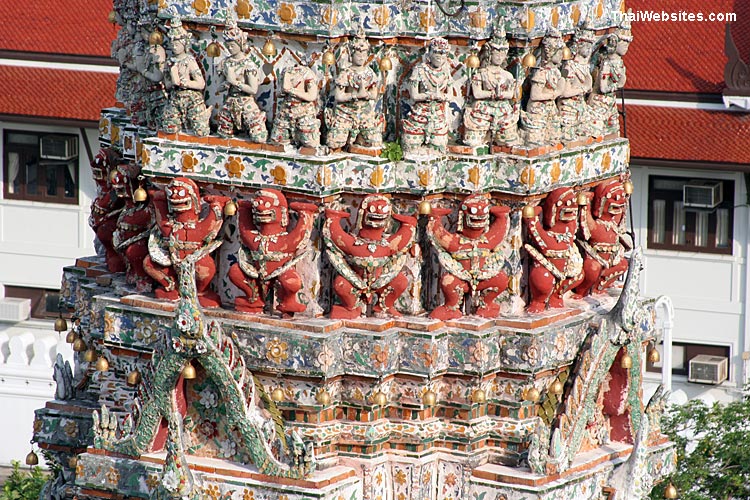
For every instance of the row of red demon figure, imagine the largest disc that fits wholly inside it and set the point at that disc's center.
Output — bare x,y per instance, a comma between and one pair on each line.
575,241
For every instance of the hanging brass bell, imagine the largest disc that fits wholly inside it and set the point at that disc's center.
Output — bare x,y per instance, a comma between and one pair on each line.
626,362
582,199
140,195
269,49
425,208
188,373
529,60
79,345
134,378
479,396
32,459
670,491
429,398
323,397
472,61
557,387
533,395
155,38
112,17
628,187
71,337
379,398
230,208
567,54
60,324
329,59
528,212
89,355
102,364
653,355
213,49
385,64
277,394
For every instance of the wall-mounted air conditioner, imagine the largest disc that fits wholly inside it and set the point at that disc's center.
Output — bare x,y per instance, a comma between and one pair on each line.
706,369
702,194
14,309
58,147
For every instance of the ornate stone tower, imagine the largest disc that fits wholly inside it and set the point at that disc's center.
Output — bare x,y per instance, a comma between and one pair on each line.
359,251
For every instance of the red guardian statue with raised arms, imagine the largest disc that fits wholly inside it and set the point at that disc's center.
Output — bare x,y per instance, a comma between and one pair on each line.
370,261
183,233
471,256
556,263
270,251
106,207
604,238
133,227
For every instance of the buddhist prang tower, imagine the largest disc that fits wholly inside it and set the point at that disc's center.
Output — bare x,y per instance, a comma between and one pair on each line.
355,250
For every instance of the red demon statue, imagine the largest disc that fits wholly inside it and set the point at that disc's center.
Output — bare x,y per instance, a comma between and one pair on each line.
556,263
106,207
134,224
471,257
370,261
604,238
269,251
183,233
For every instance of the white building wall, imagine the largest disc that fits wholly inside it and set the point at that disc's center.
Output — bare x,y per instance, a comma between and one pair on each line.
38,239
709,291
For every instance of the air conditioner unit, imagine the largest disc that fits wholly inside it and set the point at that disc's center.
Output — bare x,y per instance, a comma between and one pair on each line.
58,147
706,369
702,194
14,309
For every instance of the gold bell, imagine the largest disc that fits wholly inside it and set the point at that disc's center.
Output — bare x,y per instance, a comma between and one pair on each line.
329,59
628,187
582,199
557,387
60,324
230,208
532,395
479,396
429,398
670,491
385,64
567,54
528,212
140,195
134,378
323,397
71,337
213,49
277,394
188,373
653,355
112,17
380,399
89,356
472,61
269,49
32,459
102,364
626,362
529,60
155,38
425,208
79,345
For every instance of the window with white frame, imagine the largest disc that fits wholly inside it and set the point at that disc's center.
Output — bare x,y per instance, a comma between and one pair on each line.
690,214
40,167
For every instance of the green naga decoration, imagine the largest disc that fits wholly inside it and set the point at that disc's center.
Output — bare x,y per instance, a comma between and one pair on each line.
192,339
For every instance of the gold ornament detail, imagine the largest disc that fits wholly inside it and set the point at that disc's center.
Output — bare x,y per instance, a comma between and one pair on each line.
188,372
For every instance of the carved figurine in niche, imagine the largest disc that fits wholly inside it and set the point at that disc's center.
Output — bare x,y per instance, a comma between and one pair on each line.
556,264
106,207
185,108
122,51
609,77
605,239
270,250
574,113
185,230
239,110
369,262
494,109
471,257
541,120
134,224
429,87
356,94
296,121
150,62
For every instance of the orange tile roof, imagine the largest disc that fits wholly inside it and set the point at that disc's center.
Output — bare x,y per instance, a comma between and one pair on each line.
75,27
689,134
683,56
55,93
